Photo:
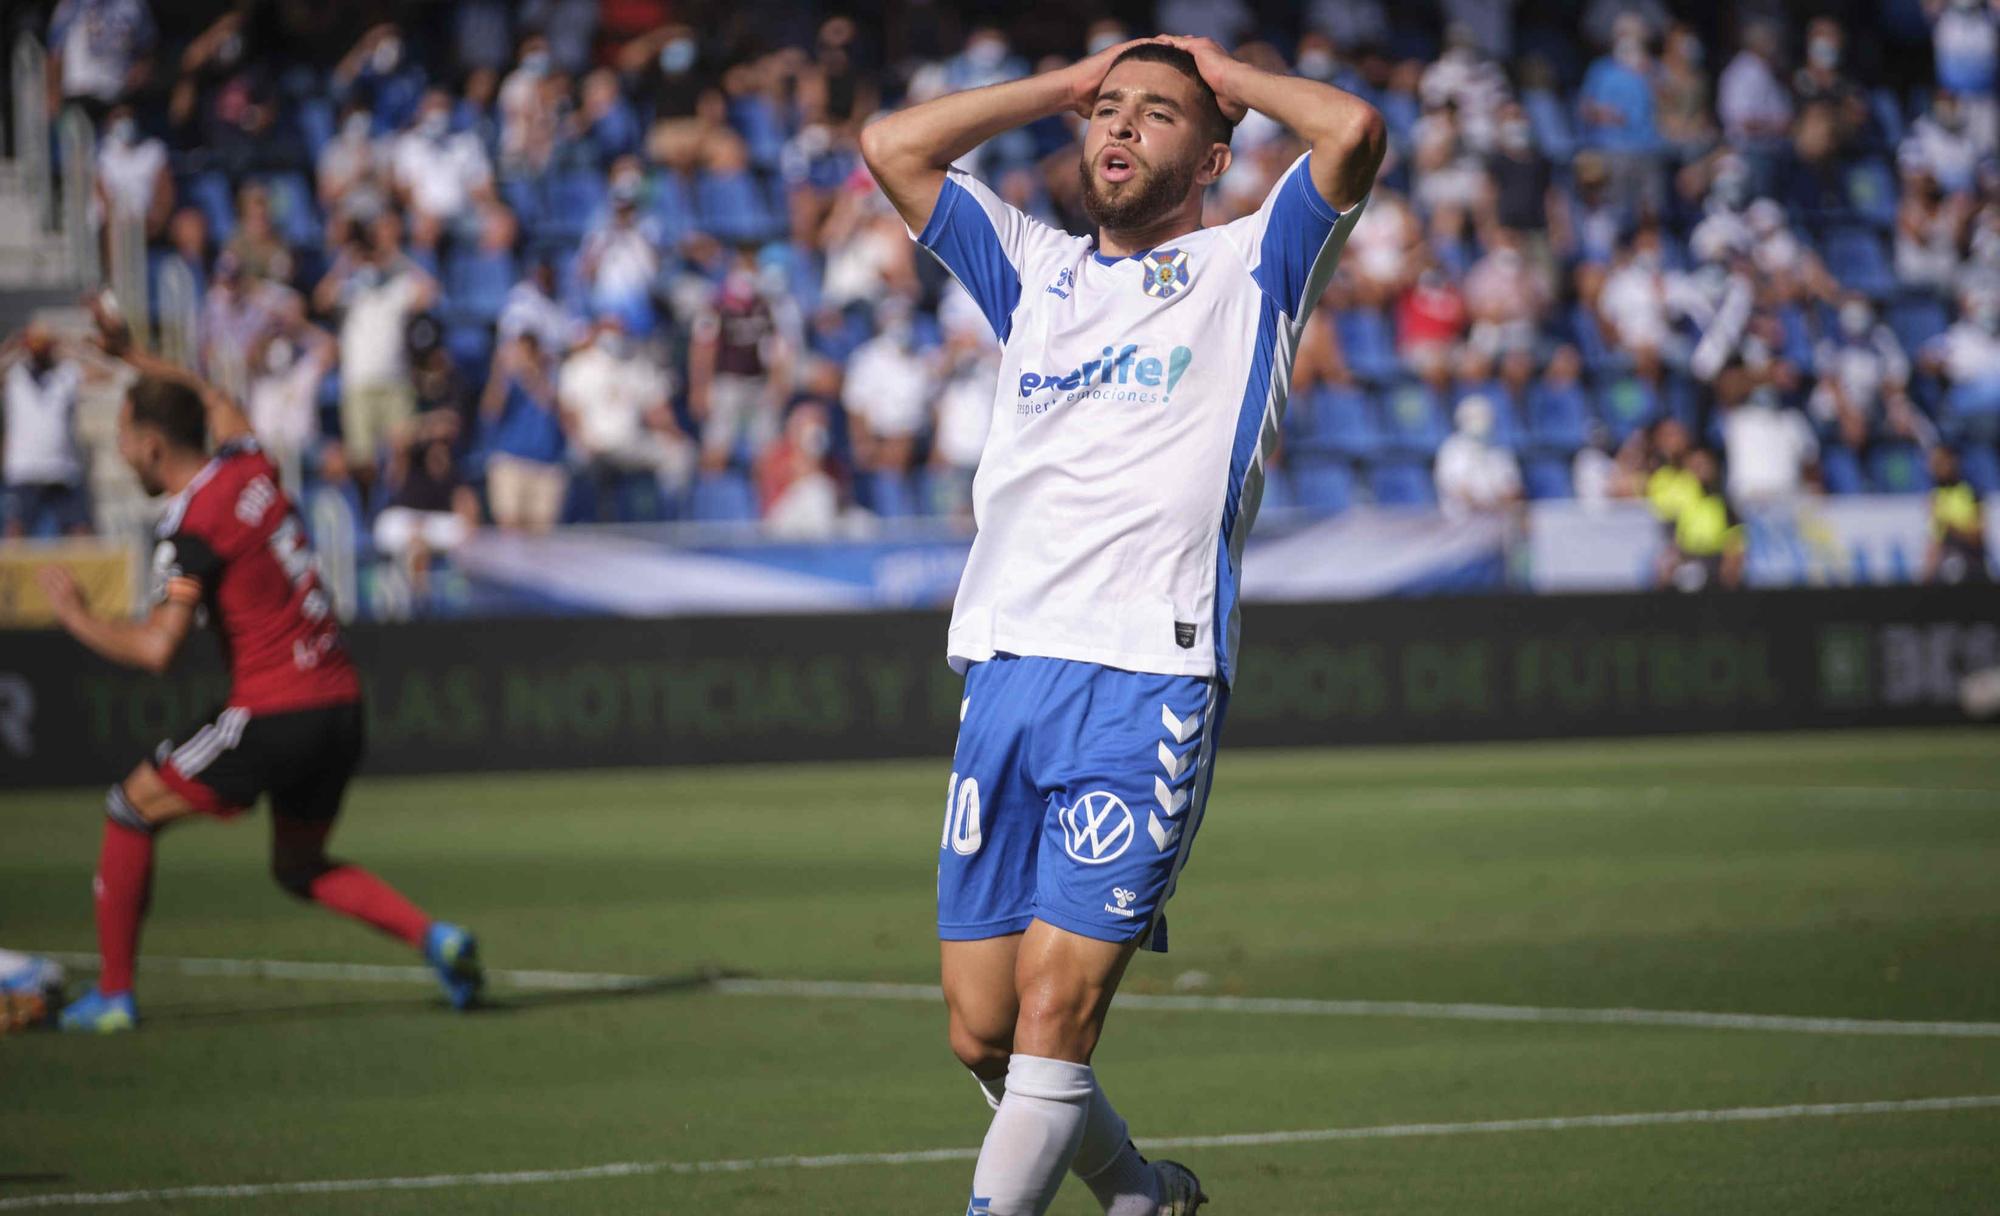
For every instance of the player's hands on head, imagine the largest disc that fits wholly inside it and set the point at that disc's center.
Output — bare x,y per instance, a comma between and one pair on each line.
59,585
1086,76
1217,66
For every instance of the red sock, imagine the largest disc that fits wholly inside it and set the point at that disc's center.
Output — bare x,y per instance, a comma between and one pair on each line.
353,891
124,880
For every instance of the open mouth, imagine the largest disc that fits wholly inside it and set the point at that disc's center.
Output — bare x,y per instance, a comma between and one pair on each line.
1116,165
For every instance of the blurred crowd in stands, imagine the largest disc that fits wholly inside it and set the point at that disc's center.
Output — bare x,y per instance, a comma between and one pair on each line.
549,261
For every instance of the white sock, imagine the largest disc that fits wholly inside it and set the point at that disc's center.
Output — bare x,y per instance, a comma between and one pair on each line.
1033,1137
1105,1158
1111,1166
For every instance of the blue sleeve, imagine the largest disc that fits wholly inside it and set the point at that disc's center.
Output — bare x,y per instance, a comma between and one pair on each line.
961,234
1296,241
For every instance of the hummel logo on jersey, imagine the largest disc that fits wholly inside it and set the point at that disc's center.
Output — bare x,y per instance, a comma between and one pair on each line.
1098,828
1166,272
1151,380
1064,284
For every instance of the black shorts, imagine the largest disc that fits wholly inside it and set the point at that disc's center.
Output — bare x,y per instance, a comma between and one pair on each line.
302,758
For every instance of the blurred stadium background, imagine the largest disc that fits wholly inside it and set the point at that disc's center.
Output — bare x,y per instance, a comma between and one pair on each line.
1658,394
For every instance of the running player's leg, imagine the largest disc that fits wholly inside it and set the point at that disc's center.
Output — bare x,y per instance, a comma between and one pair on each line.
300,865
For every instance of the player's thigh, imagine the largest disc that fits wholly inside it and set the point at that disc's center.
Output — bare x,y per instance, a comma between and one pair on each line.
1128,764
150,799
993,811
221,767
1065,983
323,748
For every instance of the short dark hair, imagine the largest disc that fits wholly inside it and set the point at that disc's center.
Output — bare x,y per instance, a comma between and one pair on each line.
173,409
1208,112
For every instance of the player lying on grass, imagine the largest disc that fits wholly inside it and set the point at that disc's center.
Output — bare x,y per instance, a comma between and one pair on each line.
231,547
1143,377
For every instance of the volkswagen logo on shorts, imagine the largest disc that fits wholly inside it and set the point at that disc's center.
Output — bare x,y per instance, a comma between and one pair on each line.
1097,829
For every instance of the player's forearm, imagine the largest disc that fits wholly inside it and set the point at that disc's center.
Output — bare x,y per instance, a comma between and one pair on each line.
1347,135
127,643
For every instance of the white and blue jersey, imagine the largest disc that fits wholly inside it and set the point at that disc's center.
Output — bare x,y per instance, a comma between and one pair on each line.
1137,401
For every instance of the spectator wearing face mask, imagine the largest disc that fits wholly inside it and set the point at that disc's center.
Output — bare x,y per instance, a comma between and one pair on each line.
968,367
1941,143
1824,88
1863,380
620,262
287,365
1768,447
1967,355
133,179
237,312
440,176
618,401
801,490
379,67
1965,46
665,72
739,366
42,470
1616,113
353,171
1750,97
99,49
889,389
529,104
525,433
1474,475
1681,90
377,290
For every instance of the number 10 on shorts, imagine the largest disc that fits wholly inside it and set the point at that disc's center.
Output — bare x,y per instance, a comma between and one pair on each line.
961,816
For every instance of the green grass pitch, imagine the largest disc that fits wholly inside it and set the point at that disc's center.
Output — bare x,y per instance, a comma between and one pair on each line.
1850,875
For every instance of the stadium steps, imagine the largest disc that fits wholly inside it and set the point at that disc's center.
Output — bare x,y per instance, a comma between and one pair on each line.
31,256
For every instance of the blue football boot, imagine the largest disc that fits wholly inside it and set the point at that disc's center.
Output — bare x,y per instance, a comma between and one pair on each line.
96,1013
454,955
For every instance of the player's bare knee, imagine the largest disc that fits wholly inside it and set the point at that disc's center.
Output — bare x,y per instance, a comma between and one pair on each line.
1061,1021
120,809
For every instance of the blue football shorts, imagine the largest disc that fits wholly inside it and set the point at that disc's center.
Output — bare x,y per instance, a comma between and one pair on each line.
1075,795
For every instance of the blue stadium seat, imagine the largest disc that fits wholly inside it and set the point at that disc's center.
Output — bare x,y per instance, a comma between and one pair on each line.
732,208
722,497
1558,418
672,207
209,192
477,282
1626,404
890,495
1337,420
1855,257
1402,483
1898,468
1840,471
1888,115
316,124
575,199
1599,356
1413,420
1508,429
1980,464
1368,343
1547,477
471,348
1917,316
524,198
1323,485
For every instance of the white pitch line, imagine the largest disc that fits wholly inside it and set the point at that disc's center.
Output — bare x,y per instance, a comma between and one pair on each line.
593,981
640,1169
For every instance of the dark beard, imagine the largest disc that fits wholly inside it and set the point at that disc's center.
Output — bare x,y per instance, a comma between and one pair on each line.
1160,191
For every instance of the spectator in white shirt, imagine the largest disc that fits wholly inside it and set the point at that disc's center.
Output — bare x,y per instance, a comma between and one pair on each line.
1968,356
353,170
1474,475
621,257
1769,449
531,307
287,366
1863,374
42,470
617,398
888,392
439,174
378,291
133,181
98,48
1750,97
1941,143
970,365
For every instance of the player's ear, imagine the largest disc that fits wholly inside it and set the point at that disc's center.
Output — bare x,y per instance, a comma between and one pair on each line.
1214,164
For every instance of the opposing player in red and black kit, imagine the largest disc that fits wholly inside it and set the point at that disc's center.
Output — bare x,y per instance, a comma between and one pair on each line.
231,547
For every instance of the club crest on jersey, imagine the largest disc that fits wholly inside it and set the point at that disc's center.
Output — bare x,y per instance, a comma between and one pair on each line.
1166,272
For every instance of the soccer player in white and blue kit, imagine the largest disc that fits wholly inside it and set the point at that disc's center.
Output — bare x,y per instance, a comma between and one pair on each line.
1143,377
